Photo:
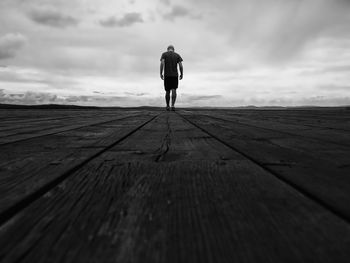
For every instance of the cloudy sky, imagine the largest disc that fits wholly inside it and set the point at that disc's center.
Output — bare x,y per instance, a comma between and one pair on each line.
236,52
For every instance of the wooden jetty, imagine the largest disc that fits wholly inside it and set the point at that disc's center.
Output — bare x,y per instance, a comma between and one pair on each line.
195,185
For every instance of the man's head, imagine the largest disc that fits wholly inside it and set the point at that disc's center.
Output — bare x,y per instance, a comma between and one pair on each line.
171,48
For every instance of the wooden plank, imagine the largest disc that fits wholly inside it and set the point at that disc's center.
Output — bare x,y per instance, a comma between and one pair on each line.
34,128
54,129
336,153
30,166
342,124
45,123
338,137
13,117
333,119
157,197
323,181
324,151
13,125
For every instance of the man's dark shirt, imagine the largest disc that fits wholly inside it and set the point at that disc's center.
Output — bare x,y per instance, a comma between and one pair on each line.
171,60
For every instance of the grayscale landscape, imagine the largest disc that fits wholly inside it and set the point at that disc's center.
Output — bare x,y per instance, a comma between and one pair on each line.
175,131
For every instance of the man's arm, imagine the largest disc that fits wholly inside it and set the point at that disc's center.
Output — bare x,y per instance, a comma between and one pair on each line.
161,68
181,70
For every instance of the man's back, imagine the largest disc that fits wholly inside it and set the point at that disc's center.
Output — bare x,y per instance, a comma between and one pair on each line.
171,59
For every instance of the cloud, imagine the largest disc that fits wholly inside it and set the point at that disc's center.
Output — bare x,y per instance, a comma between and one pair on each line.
241,49
165,2
340,69
10,44
40,79
140,94
127,20
28,98
179,11
277,31
334,69
200,97
34,98
323,101
52,18
333,87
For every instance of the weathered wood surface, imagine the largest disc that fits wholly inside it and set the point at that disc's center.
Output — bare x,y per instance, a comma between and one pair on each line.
318,170
28,166
54,126
190,186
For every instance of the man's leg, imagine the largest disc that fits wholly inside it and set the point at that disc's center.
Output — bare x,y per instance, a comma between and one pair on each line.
173,97
167,97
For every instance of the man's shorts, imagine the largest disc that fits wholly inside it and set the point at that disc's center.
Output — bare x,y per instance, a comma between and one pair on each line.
171,83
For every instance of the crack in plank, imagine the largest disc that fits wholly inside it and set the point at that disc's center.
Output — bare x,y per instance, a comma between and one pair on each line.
166,142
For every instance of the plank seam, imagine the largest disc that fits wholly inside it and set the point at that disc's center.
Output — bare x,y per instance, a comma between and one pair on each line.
72,129
20,205
277,131
296,187
164,148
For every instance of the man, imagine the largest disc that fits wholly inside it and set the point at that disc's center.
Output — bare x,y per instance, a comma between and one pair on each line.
169,62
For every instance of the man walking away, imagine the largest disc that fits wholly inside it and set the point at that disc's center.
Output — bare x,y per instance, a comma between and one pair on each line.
169,61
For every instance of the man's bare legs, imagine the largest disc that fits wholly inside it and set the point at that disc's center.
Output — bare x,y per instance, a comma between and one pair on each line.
167,98
173,98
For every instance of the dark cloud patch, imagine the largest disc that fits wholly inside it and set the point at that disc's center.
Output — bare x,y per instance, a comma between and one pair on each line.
165,2
52,18
140,94
127,20
13,95
276,31
334,69
325,70
28,98
201,97
324,101
343,68
34,98
332,87
98,100
77,99
33,77
16,77
10,45
178,11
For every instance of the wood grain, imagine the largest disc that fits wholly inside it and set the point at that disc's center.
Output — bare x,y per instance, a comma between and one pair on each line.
171,192
321,179
29,166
